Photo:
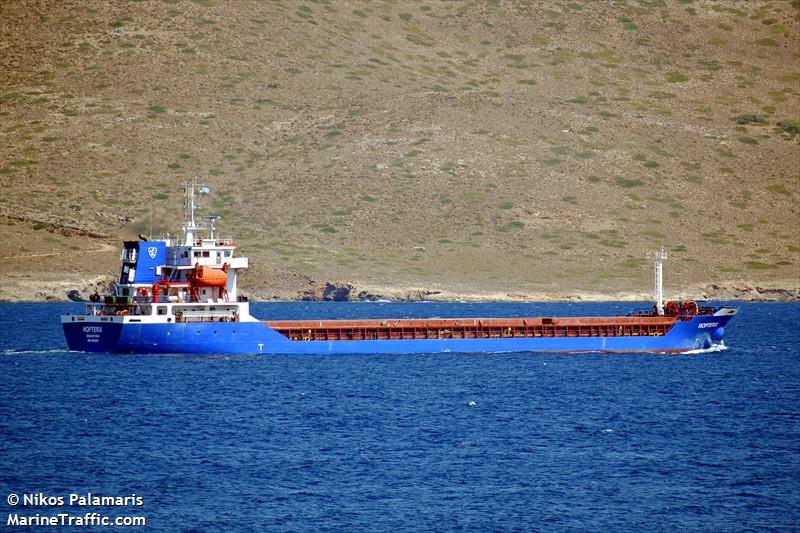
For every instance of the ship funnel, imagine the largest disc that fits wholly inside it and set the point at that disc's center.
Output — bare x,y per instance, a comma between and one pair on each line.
661,256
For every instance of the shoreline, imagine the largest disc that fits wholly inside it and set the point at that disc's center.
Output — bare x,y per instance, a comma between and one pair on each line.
49,290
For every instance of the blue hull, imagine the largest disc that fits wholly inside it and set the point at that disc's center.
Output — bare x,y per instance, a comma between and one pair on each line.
257,338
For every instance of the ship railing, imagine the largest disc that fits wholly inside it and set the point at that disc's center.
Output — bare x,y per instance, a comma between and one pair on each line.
173,299
212,242
206,316
118,309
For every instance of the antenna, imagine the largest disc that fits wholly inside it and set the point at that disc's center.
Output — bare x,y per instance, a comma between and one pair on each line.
189,224
661,256
212,221
150,231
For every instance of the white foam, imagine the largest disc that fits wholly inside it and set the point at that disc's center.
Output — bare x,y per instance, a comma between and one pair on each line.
711,349
28,352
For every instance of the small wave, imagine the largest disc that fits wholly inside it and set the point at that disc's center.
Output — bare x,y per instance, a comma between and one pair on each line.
711,349
28,352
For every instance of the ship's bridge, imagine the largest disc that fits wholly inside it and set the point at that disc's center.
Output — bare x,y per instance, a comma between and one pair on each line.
208,252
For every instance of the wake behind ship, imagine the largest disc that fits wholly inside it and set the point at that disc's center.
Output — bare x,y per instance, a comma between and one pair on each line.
180,296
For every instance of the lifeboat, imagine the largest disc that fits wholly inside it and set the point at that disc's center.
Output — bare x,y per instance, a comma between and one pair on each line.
672,308
689,308
678,308
204,276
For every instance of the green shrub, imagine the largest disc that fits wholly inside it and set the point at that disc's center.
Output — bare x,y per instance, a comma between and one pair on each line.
676,77
790,126
627,23
753,118
513,225
627,182
779,189
766,42
758,265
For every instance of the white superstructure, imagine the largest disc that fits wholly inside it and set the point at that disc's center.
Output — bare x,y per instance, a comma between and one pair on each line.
177,280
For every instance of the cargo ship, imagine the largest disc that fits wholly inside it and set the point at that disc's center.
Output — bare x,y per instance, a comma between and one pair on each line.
181,296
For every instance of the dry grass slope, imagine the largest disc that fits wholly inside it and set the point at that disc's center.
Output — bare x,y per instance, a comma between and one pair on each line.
465,146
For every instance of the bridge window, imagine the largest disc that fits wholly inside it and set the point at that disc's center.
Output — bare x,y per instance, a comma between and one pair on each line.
161,309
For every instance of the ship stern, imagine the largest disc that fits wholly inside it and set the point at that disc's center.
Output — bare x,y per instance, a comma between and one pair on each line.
91,334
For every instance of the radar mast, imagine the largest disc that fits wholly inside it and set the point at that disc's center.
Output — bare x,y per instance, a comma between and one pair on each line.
190,227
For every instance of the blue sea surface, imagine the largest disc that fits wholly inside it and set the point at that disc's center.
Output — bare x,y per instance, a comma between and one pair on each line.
428,442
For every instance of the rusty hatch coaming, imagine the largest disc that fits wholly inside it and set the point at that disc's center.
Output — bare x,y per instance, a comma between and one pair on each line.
472,328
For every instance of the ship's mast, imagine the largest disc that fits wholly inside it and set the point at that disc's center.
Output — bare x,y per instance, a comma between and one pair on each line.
661,256
212,221
189,224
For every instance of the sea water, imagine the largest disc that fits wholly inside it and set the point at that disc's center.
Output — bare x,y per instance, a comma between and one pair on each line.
429,442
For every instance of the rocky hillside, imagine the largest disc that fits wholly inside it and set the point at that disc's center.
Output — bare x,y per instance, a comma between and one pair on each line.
471,147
